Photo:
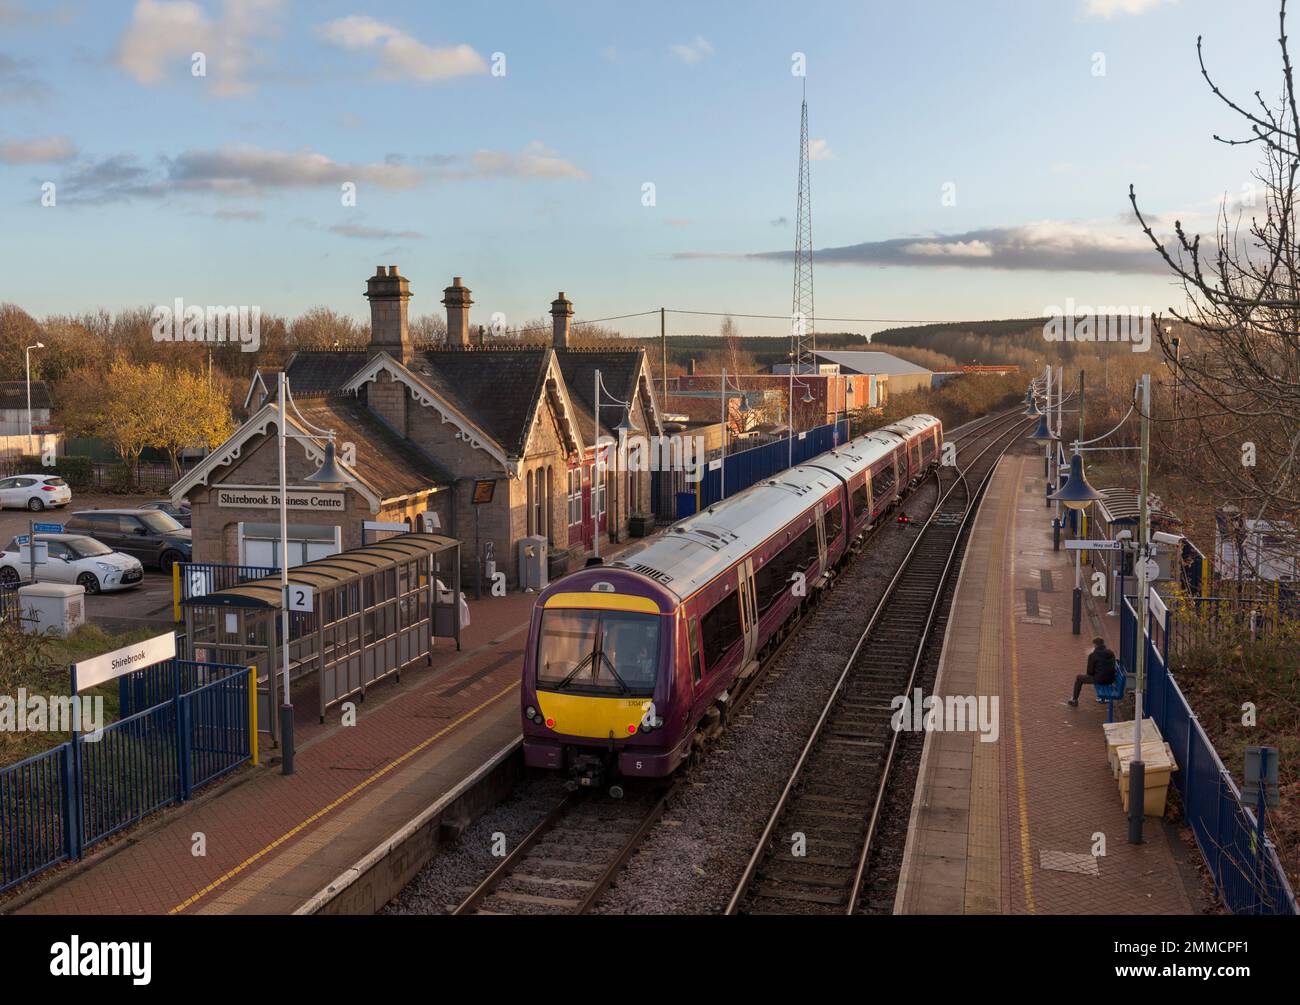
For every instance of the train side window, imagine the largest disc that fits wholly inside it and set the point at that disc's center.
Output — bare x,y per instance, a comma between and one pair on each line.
860,501
720,629
834,520
692,637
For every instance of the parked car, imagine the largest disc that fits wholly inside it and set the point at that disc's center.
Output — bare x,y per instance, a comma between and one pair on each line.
73,558
181,514
34,492
147,534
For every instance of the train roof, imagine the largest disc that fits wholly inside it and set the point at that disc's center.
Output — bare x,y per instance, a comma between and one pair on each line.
696,550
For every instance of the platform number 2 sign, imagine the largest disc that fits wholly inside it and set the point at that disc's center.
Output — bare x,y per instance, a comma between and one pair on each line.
302,598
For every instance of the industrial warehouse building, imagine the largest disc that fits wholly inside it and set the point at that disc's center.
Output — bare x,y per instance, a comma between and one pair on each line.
499,442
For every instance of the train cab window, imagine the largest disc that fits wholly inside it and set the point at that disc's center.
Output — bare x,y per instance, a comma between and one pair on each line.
834,520
720,629
860,502
692,637
598,652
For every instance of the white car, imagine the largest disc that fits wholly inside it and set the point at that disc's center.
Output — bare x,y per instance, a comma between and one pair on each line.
73,558
34,492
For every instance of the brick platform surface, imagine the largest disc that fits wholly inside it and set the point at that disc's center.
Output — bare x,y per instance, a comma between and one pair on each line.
273,841
1010,827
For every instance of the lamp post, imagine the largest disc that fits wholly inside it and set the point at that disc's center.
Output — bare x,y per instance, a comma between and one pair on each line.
807,399
28,354
623,428
1078,488
744,407
329,476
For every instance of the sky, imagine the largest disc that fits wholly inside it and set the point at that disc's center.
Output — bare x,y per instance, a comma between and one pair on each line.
970,158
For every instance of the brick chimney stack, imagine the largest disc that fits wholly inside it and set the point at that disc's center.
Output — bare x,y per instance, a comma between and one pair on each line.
457,300
388,293
561,311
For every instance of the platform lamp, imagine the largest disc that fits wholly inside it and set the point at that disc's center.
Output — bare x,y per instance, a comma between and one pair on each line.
1078,495
329,476
30,434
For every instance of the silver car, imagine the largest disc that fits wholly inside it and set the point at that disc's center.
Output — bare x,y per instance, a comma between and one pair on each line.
73,558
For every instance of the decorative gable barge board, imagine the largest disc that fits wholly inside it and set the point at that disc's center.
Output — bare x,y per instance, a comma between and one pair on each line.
467,431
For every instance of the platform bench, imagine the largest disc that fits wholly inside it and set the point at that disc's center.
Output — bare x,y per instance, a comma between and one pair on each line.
1110,693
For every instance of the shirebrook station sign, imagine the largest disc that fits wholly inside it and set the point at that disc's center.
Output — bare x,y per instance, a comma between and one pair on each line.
266,498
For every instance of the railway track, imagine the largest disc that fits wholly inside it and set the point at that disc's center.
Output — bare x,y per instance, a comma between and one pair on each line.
813,854
570,858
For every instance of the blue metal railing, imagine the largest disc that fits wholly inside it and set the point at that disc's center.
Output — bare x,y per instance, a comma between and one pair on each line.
35,830
198,579
59,803
1248,876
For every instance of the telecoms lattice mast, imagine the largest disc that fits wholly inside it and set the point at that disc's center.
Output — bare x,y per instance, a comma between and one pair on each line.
803,343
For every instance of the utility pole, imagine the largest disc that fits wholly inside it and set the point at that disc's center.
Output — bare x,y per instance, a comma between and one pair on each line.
663,347
1137,770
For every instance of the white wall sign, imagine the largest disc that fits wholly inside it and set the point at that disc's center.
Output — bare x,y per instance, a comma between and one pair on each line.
304,499
302,598
136,656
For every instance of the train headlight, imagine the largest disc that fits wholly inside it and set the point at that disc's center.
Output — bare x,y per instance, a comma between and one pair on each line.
530,713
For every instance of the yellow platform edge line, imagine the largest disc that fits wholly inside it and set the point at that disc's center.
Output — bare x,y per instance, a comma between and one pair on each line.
298,828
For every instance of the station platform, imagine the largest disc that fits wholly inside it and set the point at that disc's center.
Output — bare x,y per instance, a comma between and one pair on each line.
271,844
1012,826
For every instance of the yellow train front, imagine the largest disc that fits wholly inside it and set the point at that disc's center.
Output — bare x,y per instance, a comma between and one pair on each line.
598,683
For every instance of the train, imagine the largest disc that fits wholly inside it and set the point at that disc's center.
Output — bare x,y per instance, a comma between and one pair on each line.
630,665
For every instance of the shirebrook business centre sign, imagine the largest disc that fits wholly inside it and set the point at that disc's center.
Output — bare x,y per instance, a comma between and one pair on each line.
255,498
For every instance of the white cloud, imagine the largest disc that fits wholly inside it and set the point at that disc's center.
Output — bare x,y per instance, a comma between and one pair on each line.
950,249
1119,8
39,150
166,33
534,161
402,56
819,150
693,51
240,169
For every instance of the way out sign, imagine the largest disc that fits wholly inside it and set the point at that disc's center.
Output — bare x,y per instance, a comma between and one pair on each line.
302,598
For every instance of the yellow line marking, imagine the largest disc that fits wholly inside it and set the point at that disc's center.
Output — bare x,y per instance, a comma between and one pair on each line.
1026,858
340,800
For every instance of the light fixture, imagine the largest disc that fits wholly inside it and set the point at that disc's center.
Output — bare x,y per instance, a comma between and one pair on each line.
1042,434
1076,493
329,475
625,424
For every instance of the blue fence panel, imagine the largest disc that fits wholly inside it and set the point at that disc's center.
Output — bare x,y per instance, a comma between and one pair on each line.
198,579
132,770
34,821
216,717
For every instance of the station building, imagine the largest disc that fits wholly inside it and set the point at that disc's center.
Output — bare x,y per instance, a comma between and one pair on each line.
430,430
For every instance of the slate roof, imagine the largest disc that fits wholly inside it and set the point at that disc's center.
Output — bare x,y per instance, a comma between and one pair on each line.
389,463
618,371
13,394
494,388
321,372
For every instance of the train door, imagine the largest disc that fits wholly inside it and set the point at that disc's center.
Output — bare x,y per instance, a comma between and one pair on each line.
748,611
821,536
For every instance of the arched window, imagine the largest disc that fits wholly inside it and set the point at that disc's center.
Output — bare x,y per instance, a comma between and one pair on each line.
539,502
550,502
528,505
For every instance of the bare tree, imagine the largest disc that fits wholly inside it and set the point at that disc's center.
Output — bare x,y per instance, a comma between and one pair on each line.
1237,384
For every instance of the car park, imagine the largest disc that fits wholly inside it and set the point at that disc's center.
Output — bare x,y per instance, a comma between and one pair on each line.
149,535
34,492
74,559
